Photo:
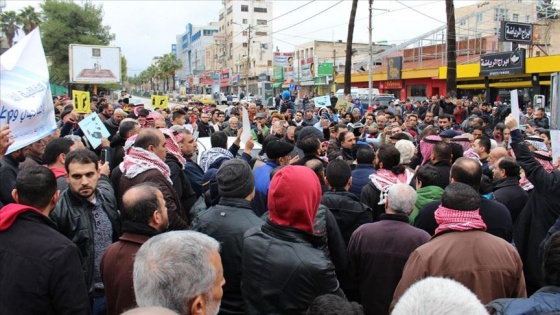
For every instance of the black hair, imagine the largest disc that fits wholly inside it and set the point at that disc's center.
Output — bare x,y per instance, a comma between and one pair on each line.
390,157
178,113
445,116
338,173
81,156
55,148
36,185
342,135
309,144
478,127
428,175
125,127
337,127
141,208
467,171
219,140
510,166
485,143
500,126
456,151
330,304
551,260
459,196
442,151
365,155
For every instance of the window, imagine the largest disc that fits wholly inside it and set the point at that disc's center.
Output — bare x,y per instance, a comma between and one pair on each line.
501,14
221,16
463,22
261,33
245,21
527,18
244,45
515,17
208,32
269,63
244,8
479,18
260,10
261,22
229,10
244,33
417,90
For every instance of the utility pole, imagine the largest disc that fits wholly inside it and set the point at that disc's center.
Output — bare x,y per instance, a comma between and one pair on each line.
248,56
370,70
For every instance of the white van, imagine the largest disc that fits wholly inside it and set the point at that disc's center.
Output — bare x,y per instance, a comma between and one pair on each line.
353,92
364,93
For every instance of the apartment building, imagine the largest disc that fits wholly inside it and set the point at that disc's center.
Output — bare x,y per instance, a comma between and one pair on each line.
191,48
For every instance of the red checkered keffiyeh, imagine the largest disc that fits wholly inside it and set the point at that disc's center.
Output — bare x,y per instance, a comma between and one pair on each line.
172,141
458,220
138,160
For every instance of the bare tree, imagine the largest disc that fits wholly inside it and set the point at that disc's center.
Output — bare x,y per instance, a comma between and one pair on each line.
451,85
349,39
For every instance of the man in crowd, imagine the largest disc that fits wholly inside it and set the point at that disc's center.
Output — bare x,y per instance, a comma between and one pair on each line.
506,186
481,146
540,119
427,189
494,214
227,222
364,168
112,124
9,170
105,111
145,163
204,128
55,156
489,266
288,234
441,160
41,270
181,271
127,128
145,215
87,214
259,130
192,170
378,256
34,156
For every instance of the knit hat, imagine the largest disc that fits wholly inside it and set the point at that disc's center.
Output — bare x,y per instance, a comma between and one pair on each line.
406,148
277,149
235,179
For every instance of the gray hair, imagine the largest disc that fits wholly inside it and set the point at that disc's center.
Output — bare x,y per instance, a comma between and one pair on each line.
119,111
172,268
402,198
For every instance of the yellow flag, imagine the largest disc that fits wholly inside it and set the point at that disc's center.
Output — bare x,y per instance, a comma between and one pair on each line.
82,103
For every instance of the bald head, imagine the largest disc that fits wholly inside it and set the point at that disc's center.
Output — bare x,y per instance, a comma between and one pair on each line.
150,311
141,201
467,171
495,155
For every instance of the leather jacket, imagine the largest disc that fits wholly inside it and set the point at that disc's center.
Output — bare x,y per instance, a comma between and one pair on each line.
74,219
284,270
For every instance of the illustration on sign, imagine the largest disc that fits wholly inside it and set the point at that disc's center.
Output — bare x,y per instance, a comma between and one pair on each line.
322,101
94,129
394,68
94,64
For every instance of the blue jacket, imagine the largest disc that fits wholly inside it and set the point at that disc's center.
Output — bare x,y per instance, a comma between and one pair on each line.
360,178
262,182
544,301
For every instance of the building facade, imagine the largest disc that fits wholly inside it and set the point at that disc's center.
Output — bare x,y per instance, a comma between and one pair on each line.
191,49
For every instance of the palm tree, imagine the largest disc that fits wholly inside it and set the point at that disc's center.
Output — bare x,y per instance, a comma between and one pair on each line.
349,39
29,19
451,85
9,23
152,73
169,65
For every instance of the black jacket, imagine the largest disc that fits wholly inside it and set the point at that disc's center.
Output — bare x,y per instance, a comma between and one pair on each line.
444,169
494,214
541,211
73,218
284,270
8,174
112,126
204,129
181,183
508,192
41,270
117,143
349,212
227,222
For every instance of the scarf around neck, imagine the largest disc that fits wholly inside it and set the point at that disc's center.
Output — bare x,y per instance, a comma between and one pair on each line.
138,161
457,220
172,144
383,180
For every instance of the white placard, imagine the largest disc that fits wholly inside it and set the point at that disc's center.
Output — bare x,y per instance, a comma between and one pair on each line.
322,101
555,144
246,134
515,106
94,64
25,99
94,129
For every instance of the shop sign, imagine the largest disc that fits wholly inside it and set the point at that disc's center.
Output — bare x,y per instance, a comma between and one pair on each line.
394,68
504,63
388,85
283,59
516,32
326,69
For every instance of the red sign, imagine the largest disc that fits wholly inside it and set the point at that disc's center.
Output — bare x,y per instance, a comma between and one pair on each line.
389,85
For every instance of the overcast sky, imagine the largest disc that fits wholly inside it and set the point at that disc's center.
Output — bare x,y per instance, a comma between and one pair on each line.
145,29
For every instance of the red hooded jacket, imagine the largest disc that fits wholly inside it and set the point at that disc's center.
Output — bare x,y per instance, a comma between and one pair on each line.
9,214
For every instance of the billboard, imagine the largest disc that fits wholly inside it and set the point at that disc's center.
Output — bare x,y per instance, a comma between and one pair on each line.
94,64
394,68
283,59
307,68
503,63
516,32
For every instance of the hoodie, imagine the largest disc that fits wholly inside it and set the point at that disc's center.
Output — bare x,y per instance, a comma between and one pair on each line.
425,195
287,205
9,214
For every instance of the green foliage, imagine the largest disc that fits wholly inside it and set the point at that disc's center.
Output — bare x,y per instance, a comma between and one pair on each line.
69,23
9,22
29,19
124,69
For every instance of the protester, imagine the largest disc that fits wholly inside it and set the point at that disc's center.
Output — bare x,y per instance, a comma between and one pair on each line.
227,222
55,157
9,170
441,159
87,214
41,270
506,186
330,304
365,156
6,140
288,233
427,189
461,250
181,271
379,250
34,156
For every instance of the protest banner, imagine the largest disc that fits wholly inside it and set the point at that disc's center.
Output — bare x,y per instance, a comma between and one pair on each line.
94,129
322,101
246,134
555,143
160,101
82,103
342,104
515,106
26,101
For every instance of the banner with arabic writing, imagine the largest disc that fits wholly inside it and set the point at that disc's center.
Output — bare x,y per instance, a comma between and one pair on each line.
503,63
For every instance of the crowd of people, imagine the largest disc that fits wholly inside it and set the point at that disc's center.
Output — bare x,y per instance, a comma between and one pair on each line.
443,206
